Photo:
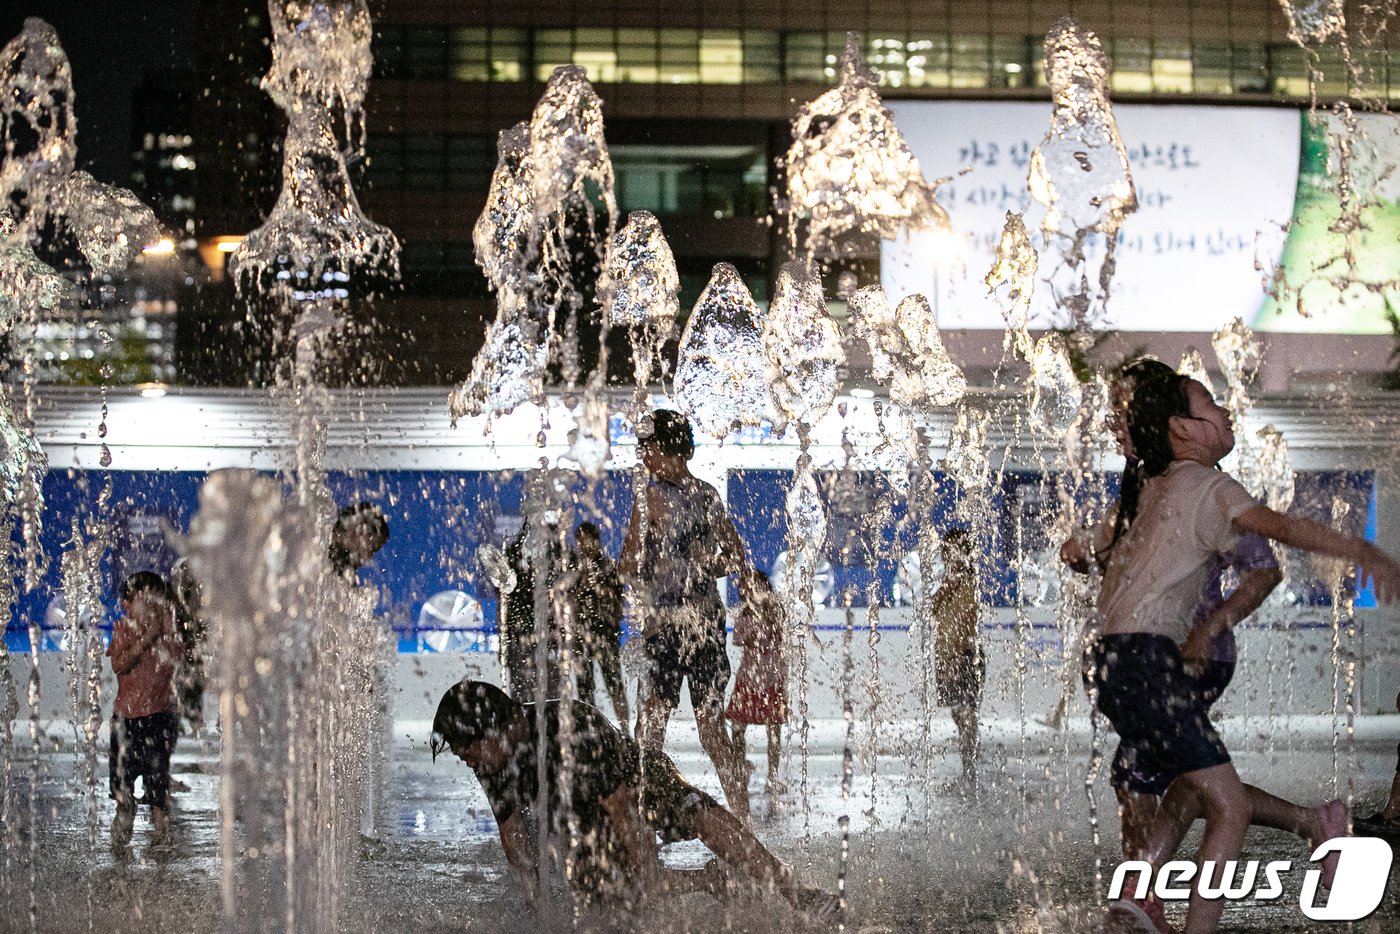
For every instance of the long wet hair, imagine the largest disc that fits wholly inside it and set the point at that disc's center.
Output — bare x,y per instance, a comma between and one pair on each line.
1157,393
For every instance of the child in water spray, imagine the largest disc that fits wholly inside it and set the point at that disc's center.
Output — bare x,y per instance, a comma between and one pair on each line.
760,688
1176,514
146,652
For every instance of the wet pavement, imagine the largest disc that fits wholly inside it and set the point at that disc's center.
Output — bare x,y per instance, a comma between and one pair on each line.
1020,857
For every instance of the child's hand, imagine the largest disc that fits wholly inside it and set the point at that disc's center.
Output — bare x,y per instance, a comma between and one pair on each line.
1198,645
1074,554
1380,570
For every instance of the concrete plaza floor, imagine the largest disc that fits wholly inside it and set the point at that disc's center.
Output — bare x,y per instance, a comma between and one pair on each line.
1019,858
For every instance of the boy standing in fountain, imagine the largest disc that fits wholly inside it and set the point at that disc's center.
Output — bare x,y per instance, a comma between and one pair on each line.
679,542
597,592
146,651
959,667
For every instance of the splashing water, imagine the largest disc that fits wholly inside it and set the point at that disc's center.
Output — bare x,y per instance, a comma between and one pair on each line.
892,360
1012,280
640,290
720,369
501,236
969,460
1275,471
1080,169
321,64
906,351
1055,392
1239,355
36,105
294,649
850,170
568,149
802,348
572,167
39,188
1316,22
1194,365
27,283
548,174
943,380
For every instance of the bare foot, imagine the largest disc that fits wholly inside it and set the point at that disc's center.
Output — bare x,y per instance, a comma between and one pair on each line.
1332,821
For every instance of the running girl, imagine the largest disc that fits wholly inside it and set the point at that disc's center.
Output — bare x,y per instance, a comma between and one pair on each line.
1176,514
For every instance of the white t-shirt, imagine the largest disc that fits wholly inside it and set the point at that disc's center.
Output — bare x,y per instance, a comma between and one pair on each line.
1157,571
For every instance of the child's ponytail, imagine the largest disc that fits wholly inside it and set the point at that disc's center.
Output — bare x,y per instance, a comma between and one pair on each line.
1158,393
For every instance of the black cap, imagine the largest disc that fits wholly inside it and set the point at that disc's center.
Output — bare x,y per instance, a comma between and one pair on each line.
467,712
670,431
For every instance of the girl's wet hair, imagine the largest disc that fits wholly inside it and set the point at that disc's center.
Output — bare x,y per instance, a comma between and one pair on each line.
145,582
1157,393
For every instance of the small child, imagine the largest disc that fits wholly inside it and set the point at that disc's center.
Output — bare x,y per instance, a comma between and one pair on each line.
146,652
760,688
1177,513
959,667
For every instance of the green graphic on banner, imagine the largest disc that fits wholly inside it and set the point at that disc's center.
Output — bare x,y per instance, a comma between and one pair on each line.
1340,274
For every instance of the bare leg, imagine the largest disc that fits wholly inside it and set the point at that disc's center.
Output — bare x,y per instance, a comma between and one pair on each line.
735,844
652,719
1392,804
715,739
775,748
610,661
739,740
965,718
1218,795
1136,812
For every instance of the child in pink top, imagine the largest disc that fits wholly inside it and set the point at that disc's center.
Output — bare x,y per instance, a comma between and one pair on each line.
146,652
760,688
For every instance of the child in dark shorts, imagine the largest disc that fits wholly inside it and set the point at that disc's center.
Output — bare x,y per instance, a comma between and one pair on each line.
621,799
1175,515
959,666
146,652
1137,786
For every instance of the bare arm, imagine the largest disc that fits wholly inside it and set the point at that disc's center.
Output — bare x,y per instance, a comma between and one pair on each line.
1255,587
516,843
127,659
630,560
731,548
1075,556
1372,564
639,850
637,840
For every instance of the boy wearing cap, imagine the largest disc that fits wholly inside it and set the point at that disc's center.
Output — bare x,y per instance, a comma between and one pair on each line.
620,798
679,542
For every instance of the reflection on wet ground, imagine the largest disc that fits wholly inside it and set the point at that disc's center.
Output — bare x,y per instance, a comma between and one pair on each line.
1019,858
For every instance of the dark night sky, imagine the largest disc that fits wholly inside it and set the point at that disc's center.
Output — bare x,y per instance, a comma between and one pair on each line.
110,44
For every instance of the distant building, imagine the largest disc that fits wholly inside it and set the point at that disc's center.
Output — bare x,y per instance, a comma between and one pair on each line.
697,100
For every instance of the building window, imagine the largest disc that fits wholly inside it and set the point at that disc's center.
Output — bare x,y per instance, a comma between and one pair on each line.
430,161
704,181
899,60
489,54
442,268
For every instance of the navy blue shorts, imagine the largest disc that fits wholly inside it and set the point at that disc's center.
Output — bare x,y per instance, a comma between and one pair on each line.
1157,709
142,746
687,644
1214,678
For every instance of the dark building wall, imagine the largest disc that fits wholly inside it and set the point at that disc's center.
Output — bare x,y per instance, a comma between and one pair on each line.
450,76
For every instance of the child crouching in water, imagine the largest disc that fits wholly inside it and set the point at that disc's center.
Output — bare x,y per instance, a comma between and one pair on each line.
760,688
1176,514
146,651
